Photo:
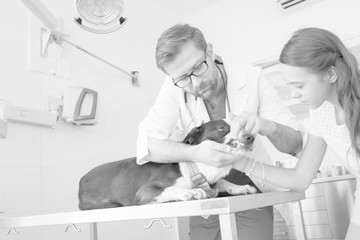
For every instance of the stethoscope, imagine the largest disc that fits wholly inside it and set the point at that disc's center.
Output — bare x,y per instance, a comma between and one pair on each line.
193,120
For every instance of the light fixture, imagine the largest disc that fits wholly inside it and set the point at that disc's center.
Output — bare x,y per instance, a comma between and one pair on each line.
105,11
100,16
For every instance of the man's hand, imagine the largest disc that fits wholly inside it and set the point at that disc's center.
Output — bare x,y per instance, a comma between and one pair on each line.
217,154
250,123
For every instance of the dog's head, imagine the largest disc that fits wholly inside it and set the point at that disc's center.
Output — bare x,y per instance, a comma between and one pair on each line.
218,131
212,130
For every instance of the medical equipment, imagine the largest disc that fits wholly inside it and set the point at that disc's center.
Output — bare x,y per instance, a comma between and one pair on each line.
80,105
103,16
53,32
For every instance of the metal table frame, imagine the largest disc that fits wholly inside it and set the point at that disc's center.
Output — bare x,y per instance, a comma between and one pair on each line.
225,207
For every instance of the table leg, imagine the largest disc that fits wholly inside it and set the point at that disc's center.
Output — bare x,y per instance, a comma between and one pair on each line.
228,226
298,221
183,228
93,231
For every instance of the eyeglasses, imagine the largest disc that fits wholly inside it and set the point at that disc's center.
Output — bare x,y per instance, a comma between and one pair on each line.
197,72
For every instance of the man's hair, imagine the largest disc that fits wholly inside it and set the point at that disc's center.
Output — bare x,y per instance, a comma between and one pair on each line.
173,39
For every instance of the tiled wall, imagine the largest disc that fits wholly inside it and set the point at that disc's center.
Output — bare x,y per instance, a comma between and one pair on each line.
40,167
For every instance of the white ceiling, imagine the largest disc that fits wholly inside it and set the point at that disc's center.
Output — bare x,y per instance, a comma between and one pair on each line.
184,8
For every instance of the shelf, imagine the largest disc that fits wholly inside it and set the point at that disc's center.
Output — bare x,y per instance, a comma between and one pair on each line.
333,179
266,62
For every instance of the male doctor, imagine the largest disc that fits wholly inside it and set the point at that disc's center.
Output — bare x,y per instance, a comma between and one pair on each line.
200,87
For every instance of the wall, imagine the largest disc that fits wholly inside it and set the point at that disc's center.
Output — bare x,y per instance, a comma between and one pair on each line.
246,31
40,167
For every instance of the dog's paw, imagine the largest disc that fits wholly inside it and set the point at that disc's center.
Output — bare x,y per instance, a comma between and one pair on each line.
251,189
199,193
195,194
242,189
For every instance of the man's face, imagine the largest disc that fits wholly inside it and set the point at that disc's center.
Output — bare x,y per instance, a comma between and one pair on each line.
187,63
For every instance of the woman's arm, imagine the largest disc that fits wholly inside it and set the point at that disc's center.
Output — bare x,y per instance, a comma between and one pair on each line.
284,138
272,119
298,178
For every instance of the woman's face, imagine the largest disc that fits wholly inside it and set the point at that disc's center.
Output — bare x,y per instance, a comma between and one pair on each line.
309,88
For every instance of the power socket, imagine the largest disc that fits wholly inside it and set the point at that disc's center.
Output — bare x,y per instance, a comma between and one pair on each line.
54,103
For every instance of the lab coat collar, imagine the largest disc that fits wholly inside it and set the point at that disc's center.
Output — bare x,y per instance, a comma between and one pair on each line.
232,72
237,75
238,78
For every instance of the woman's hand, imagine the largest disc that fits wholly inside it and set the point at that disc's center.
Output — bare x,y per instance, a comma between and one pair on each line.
250,123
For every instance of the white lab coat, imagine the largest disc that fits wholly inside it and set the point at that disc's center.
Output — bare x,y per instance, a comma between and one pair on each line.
175,114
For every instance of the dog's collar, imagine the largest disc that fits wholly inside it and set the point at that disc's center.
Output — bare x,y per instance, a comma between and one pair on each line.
198,180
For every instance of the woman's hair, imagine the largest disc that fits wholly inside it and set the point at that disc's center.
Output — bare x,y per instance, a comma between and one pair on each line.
318,50
173,39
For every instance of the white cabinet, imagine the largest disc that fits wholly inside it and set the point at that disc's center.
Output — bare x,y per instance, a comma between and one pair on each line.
326,210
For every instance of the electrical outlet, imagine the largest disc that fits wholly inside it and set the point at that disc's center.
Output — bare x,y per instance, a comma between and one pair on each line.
54,103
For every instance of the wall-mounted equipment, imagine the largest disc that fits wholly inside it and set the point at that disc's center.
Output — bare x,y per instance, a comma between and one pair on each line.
53,33
134,74
289,6
80,105
31,116
100,16
13,113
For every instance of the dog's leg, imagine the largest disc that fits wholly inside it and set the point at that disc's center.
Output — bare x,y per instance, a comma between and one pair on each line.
233,189
158,192
180,194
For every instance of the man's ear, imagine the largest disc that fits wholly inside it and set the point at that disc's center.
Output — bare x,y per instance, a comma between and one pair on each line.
332,75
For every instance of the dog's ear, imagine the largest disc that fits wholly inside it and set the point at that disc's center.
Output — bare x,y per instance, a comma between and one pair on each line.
193,136
189,140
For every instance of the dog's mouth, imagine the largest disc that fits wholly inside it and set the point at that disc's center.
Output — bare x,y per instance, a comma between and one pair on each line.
246,143
233,142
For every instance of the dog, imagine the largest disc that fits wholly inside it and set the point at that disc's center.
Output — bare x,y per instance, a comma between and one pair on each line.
124,183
